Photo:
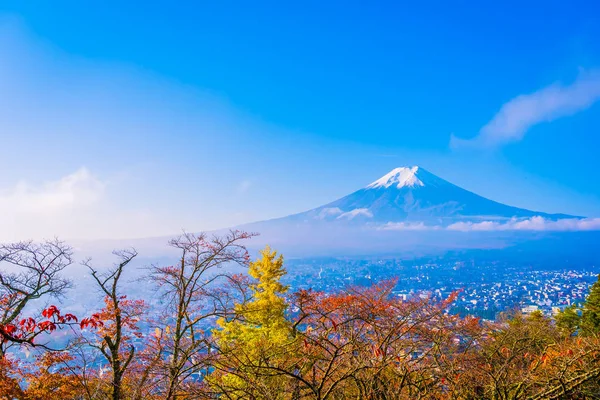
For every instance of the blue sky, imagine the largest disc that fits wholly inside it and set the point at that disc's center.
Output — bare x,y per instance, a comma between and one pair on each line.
132,119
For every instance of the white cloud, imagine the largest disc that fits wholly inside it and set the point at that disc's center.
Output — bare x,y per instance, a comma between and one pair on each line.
78,189
355,213
405,226
48,209
77,206
329,211
517,116
530,224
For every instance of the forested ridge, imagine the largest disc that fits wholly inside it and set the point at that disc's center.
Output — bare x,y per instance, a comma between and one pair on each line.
219,335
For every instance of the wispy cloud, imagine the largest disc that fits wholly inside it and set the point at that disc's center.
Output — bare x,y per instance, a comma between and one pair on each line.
517,116
244,186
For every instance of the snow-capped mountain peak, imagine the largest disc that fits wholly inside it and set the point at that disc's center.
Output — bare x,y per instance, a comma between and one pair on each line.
398,177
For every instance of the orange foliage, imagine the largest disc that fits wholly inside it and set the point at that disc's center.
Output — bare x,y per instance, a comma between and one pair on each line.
53,377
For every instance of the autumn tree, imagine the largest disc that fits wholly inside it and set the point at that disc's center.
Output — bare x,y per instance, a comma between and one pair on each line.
504,368
234,336
250,341
366,343
31,271
528,357
53,376
10,377
195,291
116,324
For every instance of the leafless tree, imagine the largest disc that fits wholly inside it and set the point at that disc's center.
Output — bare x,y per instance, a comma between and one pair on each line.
195,296
31,271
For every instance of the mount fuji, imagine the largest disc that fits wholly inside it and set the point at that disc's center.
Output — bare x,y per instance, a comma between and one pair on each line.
413,194
410,208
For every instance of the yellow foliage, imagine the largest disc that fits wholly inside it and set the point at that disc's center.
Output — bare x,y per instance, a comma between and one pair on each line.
254,338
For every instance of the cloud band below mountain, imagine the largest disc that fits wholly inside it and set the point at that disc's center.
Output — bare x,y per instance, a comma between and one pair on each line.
538,224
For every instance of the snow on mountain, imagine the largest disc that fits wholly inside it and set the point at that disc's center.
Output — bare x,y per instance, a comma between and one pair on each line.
398,177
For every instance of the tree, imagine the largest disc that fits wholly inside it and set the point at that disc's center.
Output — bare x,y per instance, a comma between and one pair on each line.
509,354
584,319
366,343
568,320
116,323
33,271
53,377
195,291
528,357
10,375
590,313
250,342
